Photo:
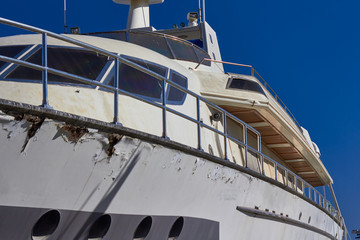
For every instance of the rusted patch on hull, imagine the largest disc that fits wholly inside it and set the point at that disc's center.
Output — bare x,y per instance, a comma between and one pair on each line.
35,121
74,133
113,140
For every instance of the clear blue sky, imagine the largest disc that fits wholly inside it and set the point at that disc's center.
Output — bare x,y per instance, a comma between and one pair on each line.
308,51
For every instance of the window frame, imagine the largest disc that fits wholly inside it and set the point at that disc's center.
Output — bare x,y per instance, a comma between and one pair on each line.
127,57
230,80
12,66
3,77
169,86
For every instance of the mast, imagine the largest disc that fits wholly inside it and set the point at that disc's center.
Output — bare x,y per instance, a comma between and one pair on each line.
139,16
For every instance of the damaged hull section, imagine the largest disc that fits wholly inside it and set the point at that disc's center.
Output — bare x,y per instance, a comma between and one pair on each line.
143,188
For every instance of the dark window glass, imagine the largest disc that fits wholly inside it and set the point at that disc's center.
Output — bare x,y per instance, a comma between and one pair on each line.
10,51
182,50
78,62
174,94
197,42
238,83
121,35
156,43
137,82
201,55
153,67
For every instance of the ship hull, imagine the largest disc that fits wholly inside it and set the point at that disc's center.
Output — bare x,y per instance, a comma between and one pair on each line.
84,172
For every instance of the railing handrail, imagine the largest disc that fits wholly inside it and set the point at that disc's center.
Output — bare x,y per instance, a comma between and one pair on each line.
164,106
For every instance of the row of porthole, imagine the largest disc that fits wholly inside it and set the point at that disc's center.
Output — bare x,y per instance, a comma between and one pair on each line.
48,223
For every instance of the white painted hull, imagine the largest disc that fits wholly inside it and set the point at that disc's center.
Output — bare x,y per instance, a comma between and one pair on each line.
142,179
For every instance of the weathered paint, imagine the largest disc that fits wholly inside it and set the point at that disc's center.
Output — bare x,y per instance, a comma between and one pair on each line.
142,178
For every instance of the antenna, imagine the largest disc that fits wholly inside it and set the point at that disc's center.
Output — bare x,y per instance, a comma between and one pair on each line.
202,16
65,26
200,10
204,10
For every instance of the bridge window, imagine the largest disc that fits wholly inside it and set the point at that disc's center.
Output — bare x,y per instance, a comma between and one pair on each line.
174,95
244,84
10,51
137,82
78,62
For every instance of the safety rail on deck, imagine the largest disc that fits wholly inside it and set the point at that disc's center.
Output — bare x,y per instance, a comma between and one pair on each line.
262,81
289,178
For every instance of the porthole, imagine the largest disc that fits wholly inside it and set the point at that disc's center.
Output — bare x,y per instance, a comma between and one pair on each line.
176,229
46,225
100,227
143,229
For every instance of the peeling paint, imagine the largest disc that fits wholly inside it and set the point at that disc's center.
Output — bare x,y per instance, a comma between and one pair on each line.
176,159
23,123
5,117
198,163
15,128
225,174
97,156
215,174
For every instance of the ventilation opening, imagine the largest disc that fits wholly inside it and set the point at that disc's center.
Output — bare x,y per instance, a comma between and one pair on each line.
176,229
143,229
100,227
46,225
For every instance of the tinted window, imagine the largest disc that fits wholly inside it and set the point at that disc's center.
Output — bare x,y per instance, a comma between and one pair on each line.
169,46
75,61
201,55
238,83
137,82
153,67
120,35
156,43
174,94
182,50
10,51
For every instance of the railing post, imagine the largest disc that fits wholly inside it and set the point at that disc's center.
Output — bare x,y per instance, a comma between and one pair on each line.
303,187
276,171
287,177
262,164
116,92
225,137
45,100
252,71
164,135
198,122
296,184
246,146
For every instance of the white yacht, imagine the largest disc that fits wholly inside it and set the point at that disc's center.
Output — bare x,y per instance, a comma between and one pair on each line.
140,134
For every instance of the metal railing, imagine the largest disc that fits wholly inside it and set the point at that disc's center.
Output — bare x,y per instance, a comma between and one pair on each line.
262,81
289,178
